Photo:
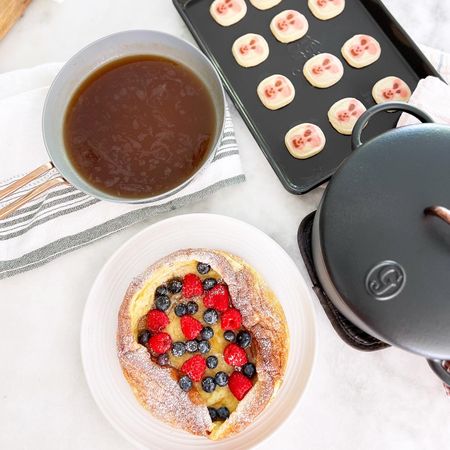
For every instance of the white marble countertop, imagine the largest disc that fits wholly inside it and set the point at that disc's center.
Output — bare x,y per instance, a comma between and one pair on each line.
388,399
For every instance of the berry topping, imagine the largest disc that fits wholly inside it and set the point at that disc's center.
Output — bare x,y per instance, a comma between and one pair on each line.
163,360
162,302
231,319
178,349
211,362
239,385
234,356
204,346
144,336
194,368
221,379
203,268
159,343
191,346
249,370
212,413
175,285
161,290
156,320
210,316
208,384
190,327
244,339
209,283
207,333
185,383
192,308
229,336
217,298
181,310
192,285
223,413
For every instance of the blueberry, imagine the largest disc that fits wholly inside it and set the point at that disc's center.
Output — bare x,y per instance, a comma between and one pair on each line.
212,413
249,370
161,290
210,316
162,303
175,285
204,347
181,310
209,283
207,333
211,362
163,360
221,379
178,349
208,384
203,268
223,413
229,336
243,339
144,336
185,383
191,346
192,308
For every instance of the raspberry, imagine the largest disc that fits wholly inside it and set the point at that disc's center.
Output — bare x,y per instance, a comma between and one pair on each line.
234,355
160,343
217,298
157,320
231,320
192,285
194,368
239,385
190,327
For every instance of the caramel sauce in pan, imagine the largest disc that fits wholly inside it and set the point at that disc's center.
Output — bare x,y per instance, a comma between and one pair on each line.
139,126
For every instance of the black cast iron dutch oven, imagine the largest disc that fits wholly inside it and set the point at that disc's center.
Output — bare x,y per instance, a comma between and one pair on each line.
381,237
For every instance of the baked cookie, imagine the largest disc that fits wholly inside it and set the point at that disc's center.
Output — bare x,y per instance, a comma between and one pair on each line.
344,114
250,50
202,341
276,91
326,9
305,140
391,89
361,50
323,70
228,12
289,25
264,4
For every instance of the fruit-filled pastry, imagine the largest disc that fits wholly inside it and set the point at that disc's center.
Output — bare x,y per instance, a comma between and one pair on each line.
203,342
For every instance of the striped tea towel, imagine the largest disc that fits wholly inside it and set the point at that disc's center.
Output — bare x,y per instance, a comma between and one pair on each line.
64,218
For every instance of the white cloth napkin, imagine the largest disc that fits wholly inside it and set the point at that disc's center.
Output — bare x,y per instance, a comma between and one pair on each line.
65,219
432,95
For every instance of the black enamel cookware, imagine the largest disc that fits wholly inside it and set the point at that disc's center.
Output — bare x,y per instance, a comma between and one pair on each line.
381,237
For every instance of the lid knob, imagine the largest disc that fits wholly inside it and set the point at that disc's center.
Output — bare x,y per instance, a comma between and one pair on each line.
439,211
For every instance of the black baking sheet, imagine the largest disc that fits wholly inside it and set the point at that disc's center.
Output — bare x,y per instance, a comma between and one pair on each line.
400,57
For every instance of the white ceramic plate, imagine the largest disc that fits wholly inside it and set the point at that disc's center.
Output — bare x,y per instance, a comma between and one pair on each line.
98,333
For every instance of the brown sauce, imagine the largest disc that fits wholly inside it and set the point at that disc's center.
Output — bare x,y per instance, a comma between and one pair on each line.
139,126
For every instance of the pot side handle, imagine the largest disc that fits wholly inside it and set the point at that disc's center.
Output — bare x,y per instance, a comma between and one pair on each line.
437,366
388,106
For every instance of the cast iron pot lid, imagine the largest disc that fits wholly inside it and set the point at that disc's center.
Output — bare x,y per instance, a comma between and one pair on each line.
388,259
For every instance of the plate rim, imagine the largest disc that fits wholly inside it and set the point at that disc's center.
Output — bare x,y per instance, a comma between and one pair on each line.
188,216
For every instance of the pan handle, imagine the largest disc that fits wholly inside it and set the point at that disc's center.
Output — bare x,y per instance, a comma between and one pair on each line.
437,366
41,170
388,106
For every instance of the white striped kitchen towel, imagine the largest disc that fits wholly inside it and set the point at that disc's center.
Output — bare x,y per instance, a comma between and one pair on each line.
65,219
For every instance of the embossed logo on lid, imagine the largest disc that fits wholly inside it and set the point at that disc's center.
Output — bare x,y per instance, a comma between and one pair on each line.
386,280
